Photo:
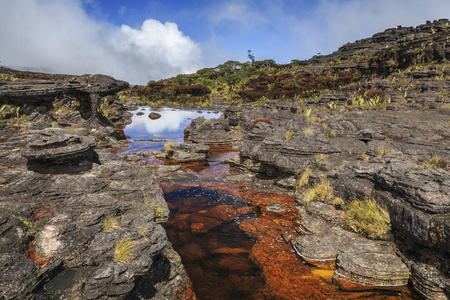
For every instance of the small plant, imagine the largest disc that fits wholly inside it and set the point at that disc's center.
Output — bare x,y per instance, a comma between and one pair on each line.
308,131
332,104
123,251
168,148
361,155
143,230
383,150
2,109
368,218
288,135
321,157
304,178
111,223
322,192
434,163
331,134
308,112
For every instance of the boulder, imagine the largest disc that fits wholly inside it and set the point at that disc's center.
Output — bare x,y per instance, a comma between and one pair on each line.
429,281
209,132
154,116
189,152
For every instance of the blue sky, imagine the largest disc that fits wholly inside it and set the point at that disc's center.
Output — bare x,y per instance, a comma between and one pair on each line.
142,40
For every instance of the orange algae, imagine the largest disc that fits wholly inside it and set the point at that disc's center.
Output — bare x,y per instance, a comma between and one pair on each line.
34,256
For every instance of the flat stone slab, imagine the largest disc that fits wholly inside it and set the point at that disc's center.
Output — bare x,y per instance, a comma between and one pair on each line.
370,263
57,146
315,248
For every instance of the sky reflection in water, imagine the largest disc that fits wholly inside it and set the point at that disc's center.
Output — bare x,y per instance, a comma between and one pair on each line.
169,127
150,135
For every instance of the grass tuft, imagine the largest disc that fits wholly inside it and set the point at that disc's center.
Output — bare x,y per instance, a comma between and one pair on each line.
368,218
321,157
288,135
143,230
168,148
304,178
383,150
308,131
322,192
331,134
123,251
111,223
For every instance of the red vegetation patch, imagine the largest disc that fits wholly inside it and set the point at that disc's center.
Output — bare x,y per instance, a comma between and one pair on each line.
303,85
23,75
43,212
158,90
262,120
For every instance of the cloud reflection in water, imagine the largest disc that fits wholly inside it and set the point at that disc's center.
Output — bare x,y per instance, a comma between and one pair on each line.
170,126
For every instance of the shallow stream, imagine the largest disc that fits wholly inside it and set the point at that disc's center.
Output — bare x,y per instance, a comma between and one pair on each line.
232,246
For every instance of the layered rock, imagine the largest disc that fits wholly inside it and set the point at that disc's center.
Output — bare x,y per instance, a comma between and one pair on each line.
63,231
87,89
369,262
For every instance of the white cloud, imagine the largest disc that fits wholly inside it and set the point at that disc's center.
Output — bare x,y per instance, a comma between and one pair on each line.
58,36
238,12
334,23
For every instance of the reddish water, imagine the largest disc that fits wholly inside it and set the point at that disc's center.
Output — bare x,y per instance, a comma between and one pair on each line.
233,248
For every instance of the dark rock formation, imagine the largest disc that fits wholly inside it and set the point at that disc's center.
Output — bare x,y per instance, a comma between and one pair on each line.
62,223
375,154
208,132
87,89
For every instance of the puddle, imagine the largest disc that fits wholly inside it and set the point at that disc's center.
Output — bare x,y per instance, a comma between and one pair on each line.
145,134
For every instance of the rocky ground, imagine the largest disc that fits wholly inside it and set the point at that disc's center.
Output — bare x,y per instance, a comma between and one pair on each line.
76,221
379,155
396,153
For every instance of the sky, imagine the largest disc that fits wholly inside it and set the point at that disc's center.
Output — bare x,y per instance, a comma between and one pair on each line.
143,40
